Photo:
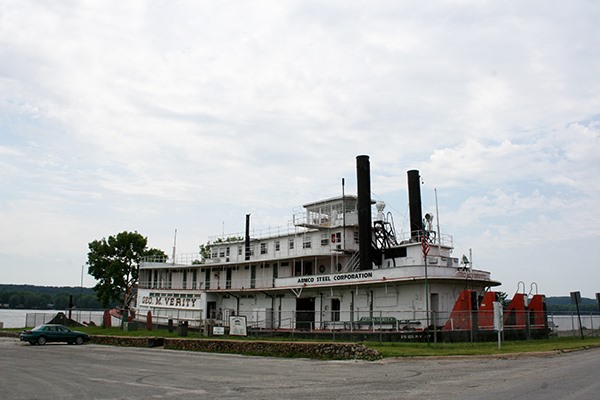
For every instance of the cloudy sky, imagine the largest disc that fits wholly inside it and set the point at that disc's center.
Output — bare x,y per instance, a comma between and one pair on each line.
153,116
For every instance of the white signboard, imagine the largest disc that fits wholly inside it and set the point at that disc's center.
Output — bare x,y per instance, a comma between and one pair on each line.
326,280
159,299
498,317
237,326
218,330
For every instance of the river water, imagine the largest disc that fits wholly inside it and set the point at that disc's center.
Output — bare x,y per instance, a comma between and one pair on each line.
31,318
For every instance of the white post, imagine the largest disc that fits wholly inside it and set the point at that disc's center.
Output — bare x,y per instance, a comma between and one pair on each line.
498,321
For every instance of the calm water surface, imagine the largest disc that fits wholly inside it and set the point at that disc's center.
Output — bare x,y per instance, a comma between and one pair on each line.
14,318
23,318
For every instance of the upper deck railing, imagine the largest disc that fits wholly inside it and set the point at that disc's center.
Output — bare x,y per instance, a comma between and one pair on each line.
180,259
264,233
445,239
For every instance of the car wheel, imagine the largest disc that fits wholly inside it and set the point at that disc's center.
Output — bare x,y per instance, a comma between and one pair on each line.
78,340
41,340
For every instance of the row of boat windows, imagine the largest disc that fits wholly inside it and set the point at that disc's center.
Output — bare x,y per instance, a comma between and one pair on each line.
175,295
164,278
307,243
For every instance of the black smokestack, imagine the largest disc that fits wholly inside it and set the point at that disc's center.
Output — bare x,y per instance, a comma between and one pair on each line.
247,239
363,181
414,202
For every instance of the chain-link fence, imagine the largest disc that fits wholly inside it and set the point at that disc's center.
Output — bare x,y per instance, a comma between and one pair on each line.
363,321
85,317
567,324
475,324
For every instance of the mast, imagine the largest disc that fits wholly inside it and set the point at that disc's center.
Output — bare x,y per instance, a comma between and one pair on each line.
437,221
343,214
174,246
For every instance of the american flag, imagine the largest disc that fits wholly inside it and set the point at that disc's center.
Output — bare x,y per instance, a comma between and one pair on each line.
425,245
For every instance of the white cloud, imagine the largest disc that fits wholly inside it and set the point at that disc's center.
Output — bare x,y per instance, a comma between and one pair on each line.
162,115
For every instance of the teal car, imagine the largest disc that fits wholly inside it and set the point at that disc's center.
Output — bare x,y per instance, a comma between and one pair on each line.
53,333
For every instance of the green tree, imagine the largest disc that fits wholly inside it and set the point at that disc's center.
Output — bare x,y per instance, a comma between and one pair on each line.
115,263
61,301
14,301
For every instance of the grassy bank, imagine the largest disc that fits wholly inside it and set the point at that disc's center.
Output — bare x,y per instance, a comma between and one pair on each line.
404,349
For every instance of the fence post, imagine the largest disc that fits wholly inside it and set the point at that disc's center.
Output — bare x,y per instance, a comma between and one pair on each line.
380,326
434,319
528,323
293,323
471,325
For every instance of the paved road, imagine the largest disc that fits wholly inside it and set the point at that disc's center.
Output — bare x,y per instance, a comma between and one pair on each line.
57,371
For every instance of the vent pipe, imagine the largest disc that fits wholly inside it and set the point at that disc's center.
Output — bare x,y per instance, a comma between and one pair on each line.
247,239
414,202
363,181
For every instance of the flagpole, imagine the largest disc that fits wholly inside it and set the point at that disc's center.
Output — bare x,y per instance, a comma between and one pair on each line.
425,248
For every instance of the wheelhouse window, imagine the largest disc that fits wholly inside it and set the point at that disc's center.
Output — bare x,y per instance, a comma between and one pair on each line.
291,244
324,239
307,242
263,248
277,245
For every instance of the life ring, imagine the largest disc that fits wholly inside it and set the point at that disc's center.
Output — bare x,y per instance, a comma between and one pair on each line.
333,238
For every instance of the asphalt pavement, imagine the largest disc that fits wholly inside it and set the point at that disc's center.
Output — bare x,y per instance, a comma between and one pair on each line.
89,371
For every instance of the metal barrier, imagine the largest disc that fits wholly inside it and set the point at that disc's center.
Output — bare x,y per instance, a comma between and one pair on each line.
82,316
567,324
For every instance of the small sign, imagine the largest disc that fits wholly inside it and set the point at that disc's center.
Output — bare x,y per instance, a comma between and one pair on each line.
498,317
237,326
218,330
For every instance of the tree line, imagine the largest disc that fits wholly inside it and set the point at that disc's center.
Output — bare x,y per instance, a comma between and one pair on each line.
563,304
47,297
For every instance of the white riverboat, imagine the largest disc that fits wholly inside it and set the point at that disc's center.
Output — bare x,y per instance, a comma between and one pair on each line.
338,265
